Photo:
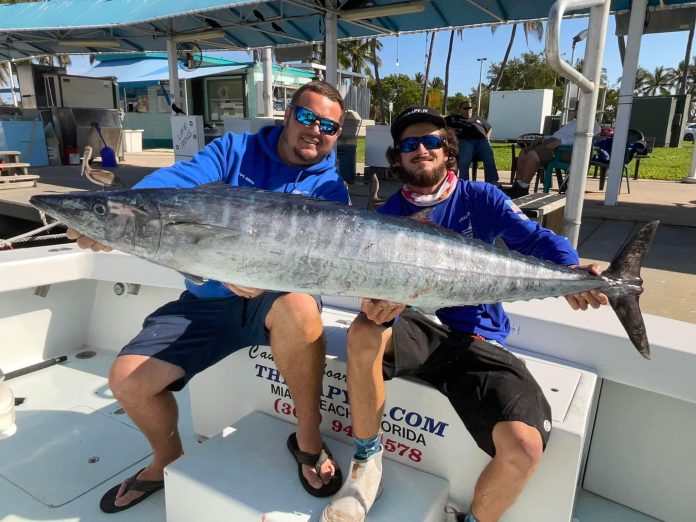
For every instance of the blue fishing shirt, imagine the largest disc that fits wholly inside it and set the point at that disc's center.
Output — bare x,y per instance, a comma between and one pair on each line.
251,161
482,211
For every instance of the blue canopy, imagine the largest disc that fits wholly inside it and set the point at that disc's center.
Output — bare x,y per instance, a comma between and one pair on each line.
146,69
88,26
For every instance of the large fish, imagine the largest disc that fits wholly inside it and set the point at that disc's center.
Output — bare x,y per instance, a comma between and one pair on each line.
291,243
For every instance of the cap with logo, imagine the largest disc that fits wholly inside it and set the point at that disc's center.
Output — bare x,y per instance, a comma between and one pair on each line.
415,114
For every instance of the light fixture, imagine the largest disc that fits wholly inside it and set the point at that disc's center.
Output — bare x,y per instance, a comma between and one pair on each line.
397,50
86,42
200,35
416,6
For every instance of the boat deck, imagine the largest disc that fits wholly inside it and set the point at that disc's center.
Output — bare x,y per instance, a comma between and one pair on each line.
76,443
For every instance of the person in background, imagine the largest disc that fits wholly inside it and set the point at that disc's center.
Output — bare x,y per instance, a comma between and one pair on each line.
538,154
474,134
210,321
463,355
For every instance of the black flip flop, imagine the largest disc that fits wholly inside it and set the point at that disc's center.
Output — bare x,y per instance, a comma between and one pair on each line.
315,461
147,487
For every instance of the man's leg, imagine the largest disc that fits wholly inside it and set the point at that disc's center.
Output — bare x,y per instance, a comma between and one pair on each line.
140,383
466,155
295,331
367,345
518,449
484,152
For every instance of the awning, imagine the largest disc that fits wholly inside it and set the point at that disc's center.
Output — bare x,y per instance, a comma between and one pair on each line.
146,69
88,26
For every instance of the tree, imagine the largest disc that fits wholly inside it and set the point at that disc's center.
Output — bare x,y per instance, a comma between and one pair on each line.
532,27
401,90
427,68
376,62
357,56
659,82
437,84
529,71
459,32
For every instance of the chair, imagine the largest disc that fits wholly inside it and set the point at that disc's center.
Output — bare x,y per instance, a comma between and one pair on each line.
560,162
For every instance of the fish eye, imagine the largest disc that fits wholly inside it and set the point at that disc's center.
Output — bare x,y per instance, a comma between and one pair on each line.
99,209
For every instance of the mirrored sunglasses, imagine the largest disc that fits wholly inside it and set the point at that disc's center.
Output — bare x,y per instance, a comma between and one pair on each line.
307,118
429,141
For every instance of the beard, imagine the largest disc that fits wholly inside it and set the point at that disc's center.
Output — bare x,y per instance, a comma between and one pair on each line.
421,177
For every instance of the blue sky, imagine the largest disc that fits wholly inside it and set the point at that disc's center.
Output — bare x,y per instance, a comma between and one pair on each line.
665,49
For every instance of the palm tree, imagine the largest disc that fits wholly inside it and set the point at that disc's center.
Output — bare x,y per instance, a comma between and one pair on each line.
356,55
459,33
427,68
419,78
376,62
532,27
681,89
658,82
437,83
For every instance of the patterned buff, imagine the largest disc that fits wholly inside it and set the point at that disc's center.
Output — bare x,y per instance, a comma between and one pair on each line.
428,200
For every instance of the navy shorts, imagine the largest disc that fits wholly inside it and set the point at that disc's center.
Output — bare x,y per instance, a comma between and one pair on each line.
195,333
484,382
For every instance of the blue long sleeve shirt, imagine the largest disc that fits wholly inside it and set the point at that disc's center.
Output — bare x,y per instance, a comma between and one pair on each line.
252,161
482,211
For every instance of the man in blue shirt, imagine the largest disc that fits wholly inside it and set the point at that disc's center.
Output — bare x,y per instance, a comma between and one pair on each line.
212,320
463,355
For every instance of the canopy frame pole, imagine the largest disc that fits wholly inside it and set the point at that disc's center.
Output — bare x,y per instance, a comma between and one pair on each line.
173,66
268,82
331,48
625,102
588,81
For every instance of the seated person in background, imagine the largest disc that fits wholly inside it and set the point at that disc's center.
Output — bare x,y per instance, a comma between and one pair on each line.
538,154
474,134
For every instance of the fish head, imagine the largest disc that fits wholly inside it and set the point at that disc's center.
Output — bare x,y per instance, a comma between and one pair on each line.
127,220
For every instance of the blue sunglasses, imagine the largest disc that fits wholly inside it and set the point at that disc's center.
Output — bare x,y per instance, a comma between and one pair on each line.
307,118
429,141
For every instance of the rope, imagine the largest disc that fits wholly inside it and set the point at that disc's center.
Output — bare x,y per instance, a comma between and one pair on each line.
29,236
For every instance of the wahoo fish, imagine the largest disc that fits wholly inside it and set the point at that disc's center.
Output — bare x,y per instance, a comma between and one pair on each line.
292,243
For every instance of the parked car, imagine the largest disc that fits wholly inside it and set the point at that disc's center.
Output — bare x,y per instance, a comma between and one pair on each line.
689,131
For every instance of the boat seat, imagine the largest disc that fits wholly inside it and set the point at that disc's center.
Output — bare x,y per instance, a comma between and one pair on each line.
421,430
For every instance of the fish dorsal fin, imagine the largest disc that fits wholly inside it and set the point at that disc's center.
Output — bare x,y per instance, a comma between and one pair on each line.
423,216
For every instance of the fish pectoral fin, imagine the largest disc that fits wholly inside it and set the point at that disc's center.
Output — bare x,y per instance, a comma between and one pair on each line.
196,280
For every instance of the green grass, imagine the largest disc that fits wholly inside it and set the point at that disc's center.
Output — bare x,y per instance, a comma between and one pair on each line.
669,164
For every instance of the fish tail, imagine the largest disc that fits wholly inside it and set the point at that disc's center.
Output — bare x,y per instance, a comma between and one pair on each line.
626,268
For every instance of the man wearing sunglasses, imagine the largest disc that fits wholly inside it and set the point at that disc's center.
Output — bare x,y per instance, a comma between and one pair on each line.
463,355
212,320
473,133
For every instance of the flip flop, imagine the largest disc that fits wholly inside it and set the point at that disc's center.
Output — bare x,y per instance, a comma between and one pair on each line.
147,487
309,459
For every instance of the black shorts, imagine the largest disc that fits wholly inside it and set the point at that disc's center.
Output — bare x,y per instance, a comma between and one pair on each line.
484,382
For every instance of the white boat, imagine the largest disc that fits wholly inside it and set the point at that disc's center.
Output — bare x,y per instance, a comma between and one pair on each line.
622,447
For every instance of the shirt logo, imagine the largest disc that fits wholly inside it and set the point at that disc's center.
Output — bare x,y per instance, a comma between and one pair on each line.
517,210
246,178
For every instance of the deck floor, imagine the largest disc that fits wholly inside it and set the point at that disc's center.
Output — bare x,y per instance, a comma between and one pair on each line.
70,417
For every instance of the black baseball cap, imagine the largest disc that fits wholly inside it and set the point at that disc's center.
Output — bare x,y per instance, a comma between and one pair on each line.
415,114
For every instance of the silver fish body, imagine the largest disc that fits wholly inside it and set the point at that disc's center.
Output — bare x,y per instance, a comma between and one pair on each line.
291,243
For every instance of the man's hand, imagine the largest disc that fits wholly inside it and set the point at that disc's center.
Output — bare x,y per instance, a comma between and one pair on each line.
379,311
86,242
244,291
593,298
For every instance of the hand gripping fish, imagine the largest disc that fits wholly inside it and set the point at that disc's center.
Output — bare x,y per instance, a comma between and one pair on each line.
290,243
